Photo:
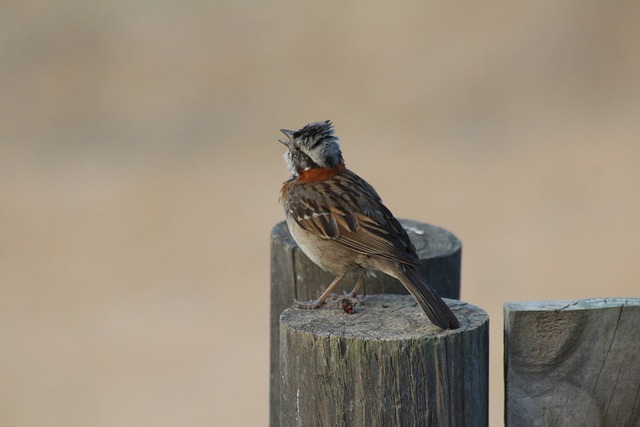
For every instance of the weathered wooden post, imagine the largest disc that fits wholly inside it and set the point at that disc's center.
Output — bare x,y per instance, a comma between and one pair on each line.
573,363
385,365
294,276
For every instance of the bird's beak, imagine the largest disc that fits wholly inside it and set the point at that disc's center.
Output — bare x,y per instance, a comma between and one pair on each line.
289,134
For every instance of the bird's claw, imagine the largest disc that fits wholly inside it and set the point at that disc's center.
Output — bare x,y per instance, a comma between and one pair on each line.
309,305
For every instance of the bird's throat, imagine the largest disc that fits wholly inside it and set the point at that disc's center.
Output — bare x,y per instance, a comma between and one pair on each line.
320,174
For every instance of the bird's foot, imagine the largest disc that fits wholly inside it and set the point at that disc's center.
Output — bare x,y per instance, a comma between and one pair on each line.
346,301
310,305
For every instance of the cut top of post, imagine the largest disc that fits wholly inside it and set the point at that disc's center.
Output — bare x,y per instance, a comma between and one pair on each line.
380,317
570,305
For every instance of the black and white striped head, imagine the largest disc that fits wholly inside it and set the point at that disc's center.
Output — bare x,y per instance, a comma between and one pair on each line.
313,146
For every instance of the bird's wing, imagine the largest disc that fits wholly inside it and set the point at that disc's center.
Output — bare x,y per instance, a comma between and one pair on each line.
346,209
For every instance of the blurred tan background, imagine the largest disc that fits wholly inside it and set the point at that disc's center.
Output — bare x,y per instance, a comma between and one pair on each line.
140,174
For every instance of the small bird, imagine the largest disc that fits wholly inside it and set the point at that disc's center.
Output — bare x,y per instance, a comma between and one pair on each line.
340,223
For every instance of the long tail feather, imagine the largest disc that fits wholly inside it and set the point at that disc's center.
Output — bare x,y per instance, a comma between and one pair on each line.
434,307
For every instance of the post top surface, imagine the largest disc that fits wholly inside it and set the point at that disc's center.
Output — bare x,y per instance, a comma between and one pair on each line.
381,317
570,305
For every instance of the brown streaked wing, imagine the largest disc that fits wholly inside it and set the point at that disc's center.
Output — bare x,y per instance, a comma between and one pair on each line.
362,223
372,238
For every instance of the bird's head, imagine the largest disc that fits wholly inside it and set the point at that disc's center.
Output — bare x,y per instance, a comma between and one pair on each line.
313,146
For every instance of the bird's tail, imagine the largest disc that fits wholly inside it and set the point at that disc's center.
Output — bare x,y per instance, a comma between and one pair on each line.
434,307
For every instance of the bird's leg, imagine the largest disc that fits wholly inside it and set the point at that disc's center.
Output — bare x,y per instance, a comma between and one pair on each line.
317,303
356,288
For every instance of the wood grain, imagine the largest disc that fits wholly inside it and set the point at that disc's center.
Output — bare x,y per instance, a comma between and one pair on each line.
385,365
573,363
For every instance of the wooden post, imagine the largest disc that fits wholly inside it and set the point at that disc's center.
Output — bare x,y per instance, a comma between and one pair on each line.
573,363
385,365
294,276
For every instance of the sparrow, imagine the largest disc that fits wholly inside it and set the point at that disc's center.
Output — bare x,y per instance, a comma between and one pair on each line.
341,224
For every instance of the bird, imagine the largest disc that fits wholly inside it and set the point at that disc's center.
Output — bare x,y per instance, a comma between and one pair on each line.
339,221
